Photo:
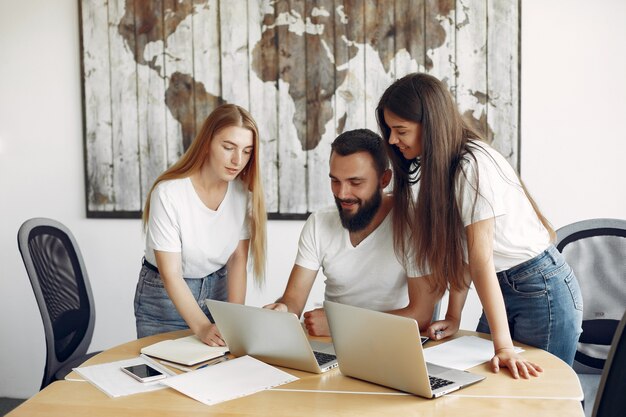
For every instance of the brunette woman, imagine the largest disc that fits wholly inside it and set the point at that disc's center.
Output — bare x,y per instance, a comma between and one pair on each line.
463,206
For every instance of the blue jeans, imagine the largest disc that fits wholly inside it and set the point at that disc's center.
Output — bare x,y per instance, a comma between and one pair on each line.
544,304
155,312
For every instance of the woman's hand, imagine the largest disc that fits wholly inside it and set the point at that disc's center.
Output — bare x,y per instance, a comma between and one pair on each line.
517,365
443,328
211,335
277,307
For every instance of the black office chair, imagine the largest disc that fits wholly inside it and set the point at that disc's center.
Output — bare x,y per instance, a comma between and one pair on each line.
596,251
59,279
611,398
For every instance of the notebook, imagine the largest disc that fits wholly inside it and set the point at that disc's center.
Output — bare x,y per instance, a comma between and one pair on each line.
270,336
385,349
185,350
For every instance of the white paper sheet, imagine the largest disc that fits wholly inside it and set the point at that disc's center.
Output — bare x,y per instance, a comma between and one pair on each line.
462,353
229,380
109,378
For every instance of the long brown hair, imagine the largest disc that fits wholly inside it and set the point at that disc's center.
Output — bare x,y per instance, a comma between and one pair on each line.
431,224
224,116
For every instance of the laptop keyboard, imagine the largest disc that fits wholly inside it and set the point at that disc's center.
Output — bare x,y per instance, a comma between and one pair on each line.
324,358
436,383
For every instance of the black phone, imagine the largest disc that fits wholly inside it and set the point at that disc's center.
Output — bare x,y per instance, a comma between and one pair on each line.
143,372
424,339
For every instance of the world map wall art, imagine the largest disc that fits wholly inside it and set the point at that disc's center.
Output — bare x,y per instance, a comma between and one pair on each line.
306,70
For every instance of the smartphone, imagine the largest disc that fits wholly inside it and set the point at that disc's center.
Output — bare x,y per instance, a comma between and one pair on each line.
423,339
143,372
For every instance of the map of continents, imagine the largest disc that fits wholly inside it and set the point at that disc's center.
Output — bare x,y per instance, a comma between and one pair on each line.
146,22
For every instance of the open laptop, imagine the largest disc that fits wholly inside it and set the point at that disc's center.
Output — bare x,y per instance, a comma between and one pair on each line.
385,349
271,336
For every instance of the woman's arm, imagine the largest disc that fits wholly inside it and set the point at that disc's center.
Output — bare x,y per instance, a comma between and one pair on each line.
450,324
480,238
171,271
237,273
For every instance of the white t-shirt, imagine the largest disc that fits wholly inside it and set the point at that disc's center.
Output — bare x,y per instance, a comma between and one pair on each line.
368,275
519,235
180,222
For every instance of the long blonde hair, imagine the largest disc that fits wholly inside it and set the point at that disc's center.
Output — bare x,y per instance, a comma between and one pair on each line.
224,116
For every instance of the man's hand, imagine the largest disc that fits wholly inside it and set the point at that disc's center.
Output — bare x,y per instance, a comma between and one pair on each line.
316,323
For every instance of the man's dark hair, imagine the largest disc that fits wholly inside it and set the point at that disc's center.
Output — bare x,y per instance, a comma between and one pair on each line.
362,140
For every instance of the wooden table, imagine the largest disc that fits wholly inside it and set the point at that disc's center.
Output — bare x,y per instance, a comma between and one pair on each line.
556,392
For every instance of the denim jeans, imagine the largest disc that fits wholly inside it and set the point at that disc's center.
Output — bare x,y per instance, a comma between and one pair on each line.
544,304
156,313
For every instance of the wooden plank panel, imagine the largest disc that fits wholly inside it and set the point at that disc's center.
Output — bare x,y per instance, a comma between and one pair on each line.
151,110
410,39
234,50
440,40
320,91
379,54
471,47
350,65
207,88
264,95
503,78
98,133
307,71
291,107
179,92
126,183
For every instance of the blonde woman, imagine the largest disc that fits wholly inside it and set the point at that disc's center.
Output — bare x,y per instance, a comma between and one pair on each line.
201,217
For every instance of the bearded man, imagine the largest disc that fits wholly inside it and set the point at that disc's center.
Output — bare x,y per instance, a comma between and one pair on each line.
353,243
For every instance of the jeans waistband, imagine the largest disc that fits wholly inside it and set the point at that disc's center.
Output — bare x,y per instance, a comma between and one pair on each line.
549,256
149,265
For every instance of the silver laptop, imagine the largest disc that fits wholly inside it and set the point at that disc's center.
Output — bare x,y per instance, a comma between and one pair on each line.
271,336
385,349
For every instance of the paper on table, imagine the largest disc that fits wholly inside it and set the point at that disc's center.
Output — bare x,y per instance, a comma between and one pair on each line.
462,353
186,350
109,378
229,380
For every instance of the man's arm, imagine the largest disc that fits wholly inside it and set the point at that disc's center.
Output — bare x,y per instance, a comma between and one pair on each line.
421,302
297,291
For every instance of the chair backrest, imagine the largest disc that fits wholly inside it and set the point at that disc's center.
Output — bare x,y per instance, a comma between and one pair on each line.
596,251
59,279
610,399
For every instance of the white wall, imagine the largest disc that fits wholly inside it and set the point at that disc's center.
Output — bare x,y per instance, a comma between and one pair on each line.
574,98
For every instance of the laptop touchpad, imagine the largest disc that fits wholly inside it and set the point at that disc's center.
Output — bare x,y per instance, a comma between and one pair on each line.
322,347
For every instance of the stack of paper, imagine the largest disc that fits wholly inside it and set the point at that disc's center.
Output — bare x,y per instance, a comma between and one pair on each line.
109,378
462,353
229,380
187,350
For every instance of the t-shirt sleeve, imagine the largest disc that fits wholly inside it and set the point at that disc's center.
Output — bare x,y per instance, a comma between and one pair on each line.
308,256
163,226
484,176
